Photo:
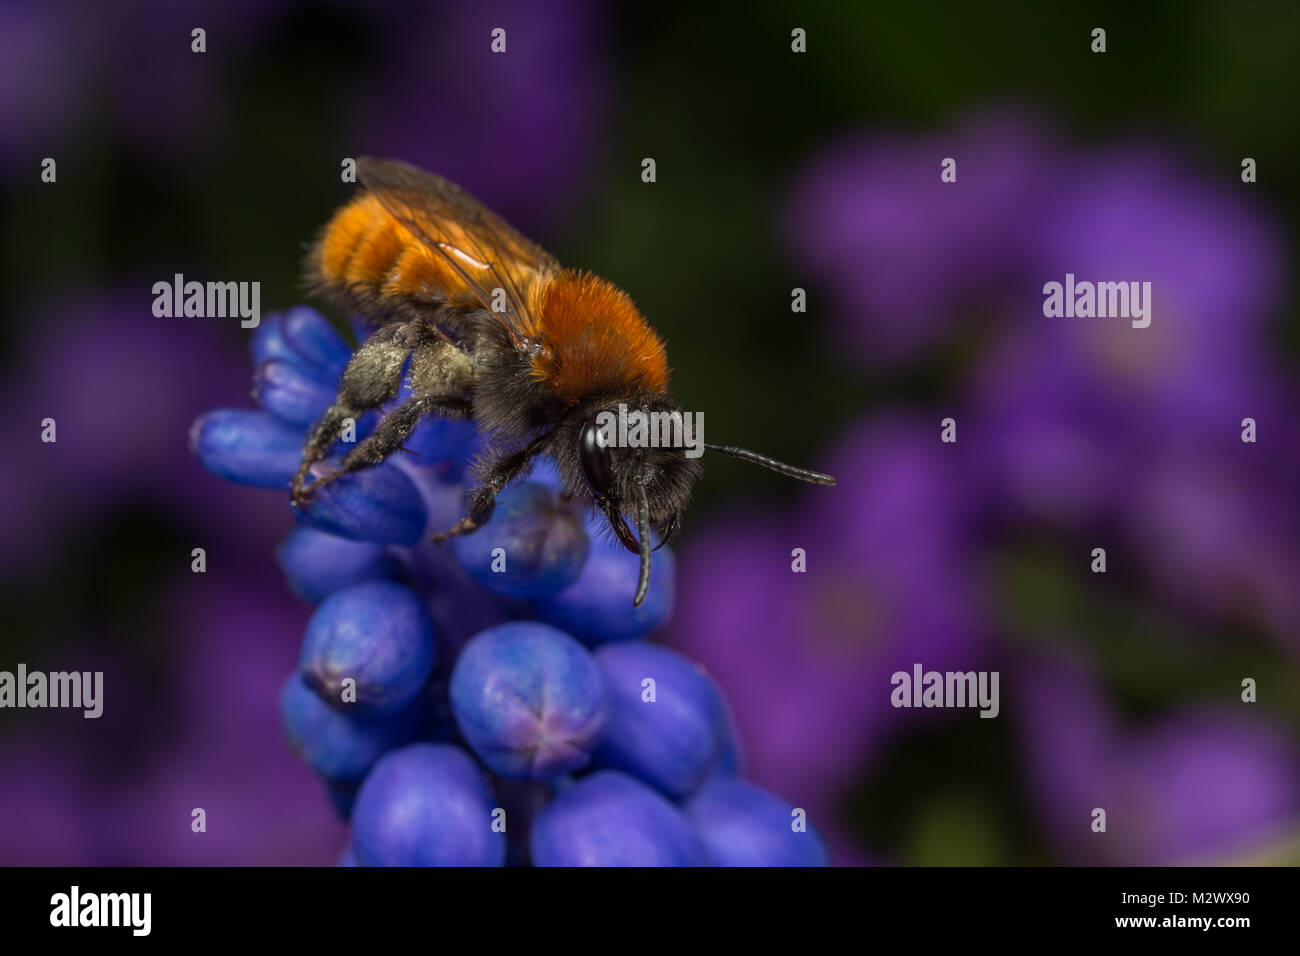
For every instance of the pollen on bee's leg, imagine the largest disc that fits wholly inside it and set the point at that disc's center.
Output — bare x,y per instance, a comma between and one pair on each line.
324,435
466,525
394,429
372,377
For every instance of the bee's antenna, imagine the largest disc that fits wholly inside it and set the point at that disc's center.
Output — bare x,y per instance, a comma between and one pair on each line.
643,532
744,454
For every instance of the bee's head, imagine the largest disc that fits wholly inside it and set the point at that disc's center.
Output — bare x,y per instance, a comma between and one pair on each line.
638,462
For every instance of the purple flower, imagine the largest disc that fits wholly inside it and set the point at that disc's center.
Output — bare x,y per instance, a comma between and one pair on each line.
1220,538
120,385
67,65
1200,784
1091,422
901,253
807,657
545,93
1214,263
42,67
121,789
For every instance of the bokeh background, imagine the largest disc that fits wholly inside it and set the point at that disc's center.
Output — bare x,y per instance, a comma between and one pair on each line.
776,171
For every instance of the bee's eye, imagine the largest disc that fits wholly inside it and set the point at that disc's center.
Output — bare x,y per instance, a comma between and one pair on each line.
594,455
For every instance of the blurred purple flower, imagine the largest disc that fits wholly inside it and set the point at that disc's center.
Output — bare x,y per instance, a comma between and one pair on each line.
1087,420
1215,266
120,790
1219,538
122,387
230,759
67,65
902,253
1200,784
41,71
807,658
1072,421
521,129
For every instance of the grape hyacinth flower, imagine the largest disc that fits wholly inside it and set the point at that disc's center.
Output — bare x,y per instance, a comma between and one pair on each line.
668,725
530,700
340,746
609,819
377,635
484,703
543,538
744,825
426,805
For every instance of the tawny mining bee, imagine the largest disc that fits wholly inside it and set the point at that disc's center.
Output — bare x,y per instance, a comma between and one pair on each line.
497,331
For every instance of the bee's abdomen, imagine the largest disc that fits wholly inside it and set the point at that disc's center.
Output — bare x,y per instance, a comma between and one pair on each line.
365,259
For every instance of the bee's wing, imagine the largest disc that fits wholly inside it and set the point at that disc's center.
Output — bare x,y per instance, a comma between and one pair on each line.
484,250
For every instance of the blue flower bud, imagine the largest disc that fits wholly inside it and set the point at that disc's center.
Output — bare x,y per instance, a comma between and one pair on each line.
426,805
440,442
609,819
287,390
534,545
317,564
248,448
546,472
667,721
744,825
316,343
529,700
377,634
597,607
374,504
337,745
267,341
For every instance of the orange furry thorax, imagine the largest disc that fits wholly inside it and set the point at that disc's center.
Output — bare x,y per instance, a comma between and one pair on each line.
596,341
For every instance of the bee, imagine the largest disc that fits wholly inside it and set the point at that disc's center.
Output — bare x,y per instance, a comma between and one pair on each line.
489,327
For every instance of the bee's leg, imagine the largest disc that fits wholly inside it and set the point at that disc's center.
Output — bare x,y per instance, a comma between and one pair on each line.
495,477
393,429
371,378
440,377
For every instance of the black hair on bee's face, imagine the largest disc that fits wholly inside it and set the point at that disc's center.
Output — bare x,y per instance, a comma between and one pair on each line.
616,477
640,491
648,485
